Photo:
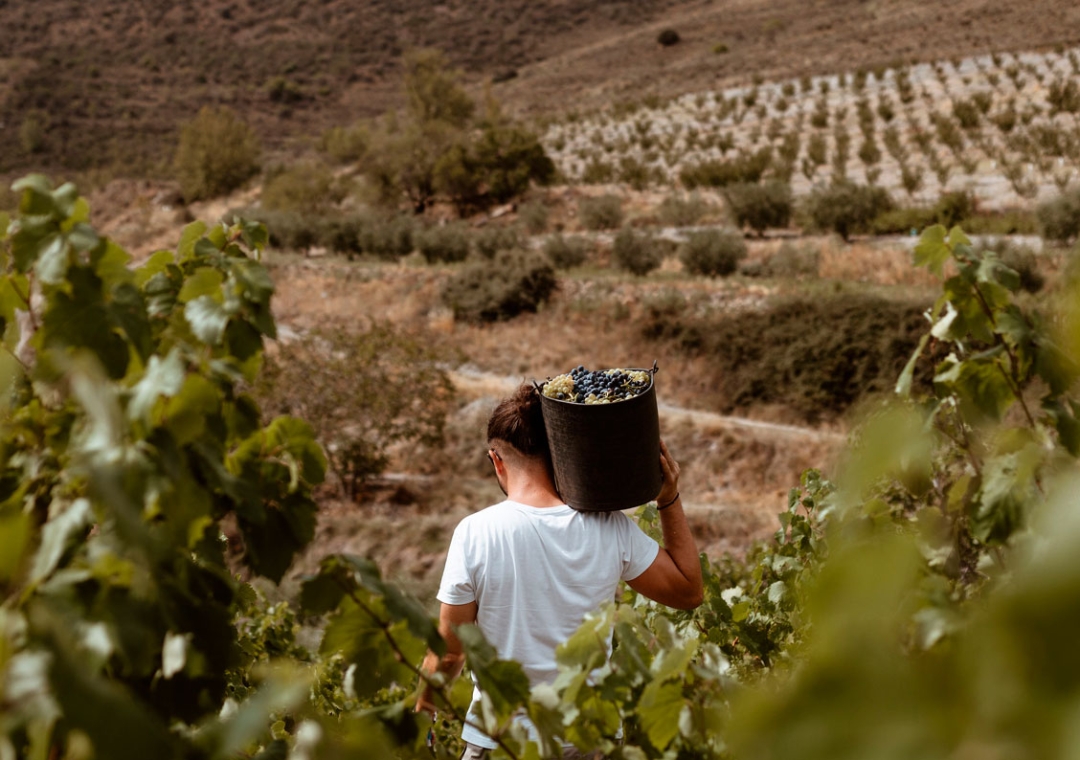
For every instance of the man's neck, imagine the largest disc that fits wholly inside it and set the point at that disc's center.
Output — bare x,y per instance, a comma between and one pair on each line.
532,492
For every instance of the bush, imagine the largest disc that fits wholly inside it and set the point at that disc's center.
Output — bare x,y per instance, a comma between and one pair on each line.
601,213
566,252
760,206
845,207
668,37
817,356
289,230
714,253
512,283
490,240
388,238
445,243
1059,218
1020,259
534,215
636,252
682,210
746,167
793,262
950,210
346,145
304,189
363,392
216,154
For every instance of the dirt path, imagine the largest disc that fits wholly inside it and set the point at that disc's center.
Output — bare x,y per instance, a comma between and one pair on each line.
471,379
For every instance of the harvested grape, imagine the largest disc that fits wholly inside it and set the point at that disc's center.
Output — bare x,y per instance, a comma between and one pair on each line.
604,386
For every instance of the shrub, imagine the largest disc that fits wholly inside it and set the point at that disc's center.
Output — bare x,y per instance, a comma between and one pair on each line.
304,189
32,132
713,253
566,252
746,167
597,172
793,261
216,154
760,206
668,37
490,240
816,355
363,393
388,238
1059,218
601,213
444,243
845,207
534,215
680,210
282,90
1020,259
636,252
346,145
512,283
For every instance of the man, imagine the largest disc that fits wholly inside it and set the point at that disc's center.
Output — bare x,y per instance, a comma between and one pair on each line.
528,570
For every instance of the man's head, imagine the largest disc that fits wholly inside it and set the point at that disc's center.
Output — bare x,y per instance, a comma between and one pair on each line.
516,432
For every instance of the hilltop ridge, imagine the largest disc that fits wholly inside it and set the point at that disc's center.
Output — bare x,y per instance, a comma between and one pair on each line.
109,87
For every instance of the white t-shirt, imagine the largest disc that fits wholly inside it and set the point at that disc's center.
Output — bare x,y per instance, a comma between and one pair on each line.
534,573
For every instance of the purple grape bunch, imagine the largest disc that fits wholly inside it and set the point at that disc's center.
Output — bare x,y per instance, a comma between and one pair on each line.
602,386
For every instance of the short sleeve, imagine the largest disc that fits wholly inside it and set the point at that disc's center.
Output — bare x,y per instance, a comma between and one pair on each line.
457,586
638,550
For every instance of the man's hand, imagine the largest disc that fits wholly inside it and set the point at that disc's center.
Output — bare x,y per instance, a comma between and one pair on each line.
669,489
450,664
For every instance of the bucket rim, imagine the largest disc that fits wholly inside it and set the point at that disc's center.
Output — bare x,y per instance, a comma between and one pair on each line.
652,383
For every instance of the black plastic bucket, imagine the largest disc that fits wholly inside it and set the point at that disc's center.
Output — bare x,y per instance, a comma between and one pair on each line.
606,456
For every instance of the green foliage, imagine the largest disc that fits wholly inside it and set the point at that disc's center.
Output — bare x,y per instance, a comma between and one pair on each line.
846,208
388,237
951,209
284,90
489,240
603,212
534,216
32,132
746,167
817,356
217,153
438,149
364,391
713,252
1059,218
678,210
443,243
129,440
792,261
514,282
346,145
567,252
636,252
760,206
305,188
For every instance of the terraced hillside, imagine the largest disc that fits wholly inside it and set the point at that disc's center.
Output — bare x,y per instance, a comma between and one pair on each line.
1005,127
107,84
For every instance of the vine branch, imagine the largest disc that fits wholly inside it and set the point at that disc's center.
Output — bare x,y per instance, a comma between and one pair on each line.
384,626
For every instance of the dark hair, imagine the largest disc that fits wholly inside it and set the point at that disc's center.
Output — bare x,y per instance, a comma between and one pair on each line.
519,421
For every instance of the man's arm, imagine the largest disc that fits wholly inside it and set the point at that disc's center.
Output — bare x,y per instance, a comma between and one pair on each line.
674,577
450,664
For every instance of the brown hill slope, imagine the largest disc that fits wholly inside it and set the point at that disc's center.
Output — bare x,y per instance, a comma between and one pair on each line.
85,85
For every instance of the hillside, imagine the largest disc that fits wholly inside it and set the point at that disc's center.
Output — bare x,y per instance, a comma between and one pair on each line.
108,90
